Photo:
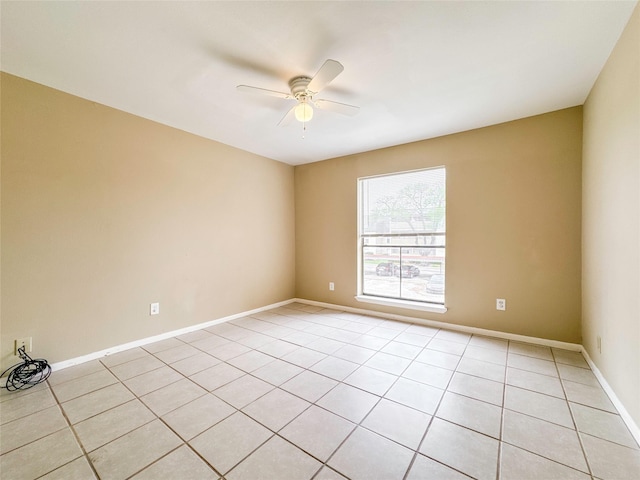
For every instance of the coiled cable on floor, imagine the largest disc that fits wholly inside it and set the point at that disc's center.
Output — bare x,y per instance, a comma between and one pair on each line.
27,374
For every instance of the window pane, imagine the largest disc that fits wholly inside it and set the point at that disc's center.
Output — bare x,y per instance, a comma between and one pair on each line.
379,271
402,235
412,202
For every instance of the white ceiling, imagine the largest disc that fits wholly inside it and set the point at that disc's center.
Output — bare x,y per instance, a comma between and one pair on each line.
417,69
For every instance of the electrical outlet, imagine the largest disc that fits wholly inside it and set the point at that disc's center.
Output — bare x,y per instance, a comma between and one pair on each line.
154,309
332,287
501,304
23,342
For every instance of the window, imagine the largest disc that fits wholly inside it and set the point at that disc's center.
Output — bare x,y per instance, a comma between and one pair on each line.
402,238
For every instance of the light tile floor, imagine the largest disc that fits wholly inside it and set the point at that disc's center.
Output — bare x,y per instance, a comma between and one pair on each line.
301,392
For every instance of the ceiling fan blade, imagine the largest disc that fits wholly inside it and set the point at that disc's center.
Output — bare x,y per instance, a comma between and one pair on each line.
337,107
290,115
330,70
263,91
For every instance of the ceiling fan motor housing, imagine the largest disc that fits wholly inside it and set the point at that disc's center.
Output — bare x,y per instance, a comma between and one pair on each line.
298,86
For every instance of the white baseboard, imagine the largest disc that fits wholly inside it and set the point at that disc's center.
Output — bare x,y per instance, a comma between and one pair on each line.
449,326
626,417
163,336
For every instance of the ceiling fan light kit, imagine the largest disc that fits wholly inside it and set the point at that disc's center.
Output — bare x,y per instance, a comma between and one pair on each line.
303,89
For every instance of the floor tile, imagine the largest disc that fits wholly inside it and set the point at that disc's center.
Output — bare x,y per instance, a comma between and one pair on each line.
153,380
535,382
611,461
478,388
197,416
530,350
191,337
210,343
569,358
197,363
105,427
123,457
371,342
18,406
123,357
136,367
300,338
256,340
335,368
486,354
601,424
177,353
382,332
588,395
489,342
547,439
413,339
181,463
403,350
325,345
42,456
388,363
251,361
462,449
371,380
425,468
398,423
452,336
77,371
348,402
423,330
545,407
161,345
78,469
243,391
439,359
172,396
275,409
25,430
518,464
416,395
80,386
327,473
478,368
578,375
367,455
355,354
470,413
217,376
318,432
224,445
229,350
304,357
277,458
429,374
446,346
277,372
309,385
531,364
91,404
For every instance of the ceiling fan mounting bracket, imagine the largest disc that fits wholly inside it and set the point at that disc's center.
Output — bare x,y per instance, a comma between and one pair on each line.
298,86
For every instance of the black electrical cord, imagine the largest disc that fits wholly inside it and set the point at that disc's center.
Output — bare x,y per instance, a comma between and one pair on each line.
27,374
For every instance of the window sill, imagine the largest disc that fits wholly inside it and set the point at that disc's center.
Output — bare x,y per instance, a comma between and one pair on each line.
425,307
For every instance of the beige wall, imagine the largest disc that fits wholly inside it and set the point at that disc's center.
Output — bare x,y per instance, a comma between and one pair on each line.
513,224
104,212
611,217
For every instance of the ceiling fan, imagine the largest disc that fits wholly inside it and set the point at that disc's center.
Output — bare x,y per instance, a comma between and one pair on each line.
303,90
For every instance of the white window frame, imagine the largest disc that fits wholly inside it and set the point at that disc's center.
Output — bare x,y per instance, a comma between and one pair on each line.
379,300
